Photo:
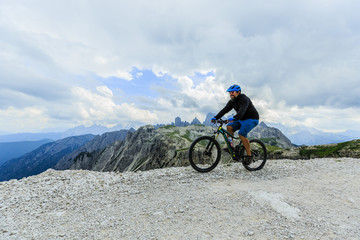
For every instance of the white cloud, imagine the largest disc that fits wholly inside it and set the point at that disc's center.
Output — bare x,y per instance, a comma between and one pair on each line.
207,92
294,58
118,74
85,107
101,108
100,60
104,90
22,119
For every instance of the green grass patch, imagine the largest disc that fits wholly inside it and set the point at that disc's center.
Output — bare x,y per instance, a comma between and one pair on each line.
168,126
182,149
323,150
187,136
173,134
269,141
271,148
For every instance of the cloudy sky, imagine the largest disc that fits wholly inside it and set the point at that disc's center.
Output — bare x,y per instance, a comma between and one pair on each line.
70,63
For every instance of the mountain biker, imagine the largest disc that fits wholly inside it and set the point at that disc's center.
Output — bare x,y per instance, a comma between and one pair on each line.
245,119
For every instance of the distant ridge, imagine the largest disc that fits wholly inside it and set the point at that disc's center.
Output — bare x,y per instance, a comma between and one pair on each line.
149,148
297,135
76,131
57,155
42,158
10,150
97,143
301,135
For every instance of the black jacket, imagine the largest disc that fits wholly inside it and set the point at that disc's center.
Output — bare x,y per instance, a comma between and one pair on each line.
243,106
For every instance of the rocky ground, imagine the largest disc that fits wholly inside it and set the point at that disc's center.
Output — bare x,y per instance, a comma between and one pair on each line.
303,199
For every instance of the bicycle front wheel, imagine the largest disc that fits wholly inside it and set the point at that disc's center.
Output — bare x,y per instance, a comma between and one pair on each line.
204,154
259,153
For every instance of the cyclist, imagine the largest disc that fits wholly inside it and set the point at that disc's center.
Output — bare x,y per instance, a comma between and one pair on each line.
245,119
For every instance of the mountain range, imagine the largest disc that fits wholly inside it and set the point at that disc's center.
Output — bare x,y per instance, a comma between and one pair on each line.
122,150
301,135
100,148
41,159
10,150
76,131
146,148
58,154
98,143
298,135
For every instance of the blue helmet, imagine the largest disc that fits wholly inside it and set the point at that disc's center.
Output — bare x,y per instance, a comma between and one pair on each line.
234,87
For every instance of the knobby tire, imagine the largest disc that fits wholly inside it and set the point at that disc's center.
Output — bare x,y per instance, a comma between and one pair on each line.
204,154
258,150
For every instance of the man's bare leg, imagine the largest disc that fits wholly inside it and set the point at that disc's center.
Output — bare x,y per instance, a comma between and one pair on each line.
230,130
246,143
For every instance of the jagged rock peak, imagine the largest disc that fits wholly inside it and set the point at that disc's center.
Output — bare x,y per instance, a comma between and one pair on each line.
145,129
195,121
147,148
263,124
207,121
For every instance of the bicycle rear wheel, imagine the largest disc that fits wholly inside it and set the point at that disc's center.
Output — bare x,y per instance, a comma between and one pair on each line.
204,154
259,153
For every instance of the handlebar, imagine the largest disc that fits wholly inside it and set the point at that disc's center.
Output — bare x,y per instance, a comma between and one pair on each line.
221,121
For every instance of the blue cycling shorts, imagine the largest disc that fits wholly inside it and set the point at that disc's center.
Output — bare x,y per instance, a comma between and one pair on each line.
244,126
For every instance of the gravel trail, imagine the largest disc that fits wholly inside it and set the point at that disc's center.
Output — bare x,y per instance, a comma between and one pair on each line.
302,199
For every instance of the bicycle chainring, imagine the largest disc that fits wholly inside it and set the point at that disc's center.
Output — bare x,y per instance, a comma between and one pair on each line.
237,153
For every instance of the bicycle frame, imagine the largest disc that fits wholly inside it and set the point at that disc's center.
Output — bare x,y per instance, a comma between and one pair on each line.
224,133
205,151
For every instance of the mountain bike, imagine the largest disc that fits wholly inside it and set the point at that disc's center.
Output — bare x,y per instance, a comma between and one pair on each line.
205,152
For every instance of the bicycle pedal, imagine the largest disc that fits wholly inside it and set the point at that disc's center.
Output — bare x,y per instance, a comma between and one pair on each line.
247,160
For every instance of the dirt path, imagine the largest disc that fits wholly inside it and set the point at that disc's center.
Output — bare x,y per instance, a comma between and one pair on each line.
312,199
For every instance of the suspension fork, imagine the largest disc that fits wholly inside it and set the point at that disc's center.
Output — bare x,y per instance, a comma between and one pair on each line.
211,144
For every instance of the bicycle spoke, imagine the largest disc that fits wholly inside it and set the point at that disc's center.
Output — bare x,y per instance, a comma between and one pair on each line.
204,154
